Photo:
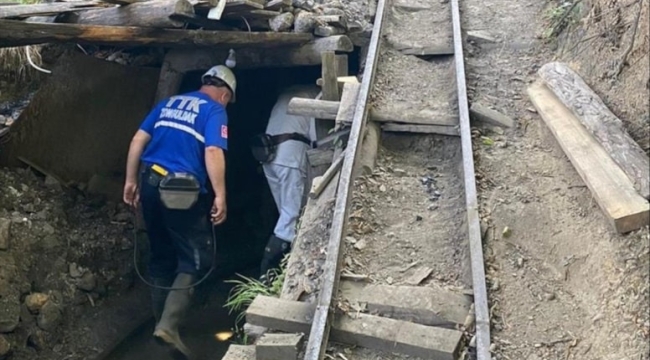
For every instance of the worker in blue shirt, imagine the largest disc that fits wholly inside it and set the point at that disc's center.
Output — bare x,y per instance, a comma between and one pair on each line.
179,154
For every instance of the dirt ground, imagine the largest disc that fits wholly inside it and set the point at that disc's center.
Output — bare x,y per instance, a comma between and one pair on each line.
66,276
563,285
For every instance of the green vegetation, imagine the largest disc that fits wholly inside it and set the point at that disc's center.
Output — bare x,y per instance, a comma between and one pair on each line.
245,291
560,17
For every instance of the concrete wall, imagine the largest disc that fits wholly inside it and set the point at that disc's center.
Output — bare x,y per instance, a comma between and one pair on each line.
82,119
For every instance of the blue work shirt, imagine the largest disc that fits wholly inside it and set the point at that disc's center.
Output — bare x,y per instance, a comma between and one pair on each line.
181,127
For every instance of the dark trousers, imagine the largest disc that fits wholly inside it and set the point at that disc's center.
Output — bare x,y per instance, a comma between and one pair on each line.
180,240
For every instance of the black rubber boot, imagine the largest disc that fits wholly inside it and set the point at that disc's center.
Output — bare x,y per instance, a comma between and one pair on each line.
274,252
158,296
176,305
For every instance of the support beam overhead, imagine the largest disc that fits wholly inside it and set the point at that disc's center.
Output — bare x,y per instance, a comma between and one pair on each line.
152,13
25,11
18,33
307,54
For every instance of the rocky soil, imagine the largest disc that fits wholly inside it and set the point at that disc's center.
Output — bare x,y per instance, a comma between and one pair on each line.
62,256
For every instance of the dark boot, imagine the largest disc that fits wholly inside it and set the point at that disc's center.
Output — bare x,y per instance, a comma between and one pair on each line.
274,252
176,305
158,296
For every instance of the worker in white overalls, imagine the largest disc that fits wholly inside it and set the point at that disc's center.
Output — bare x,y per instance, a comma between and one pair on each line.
285,166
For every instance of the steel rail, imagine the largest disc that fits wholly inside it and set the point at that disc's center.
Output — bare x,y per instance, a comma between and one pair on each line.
320,328
473,225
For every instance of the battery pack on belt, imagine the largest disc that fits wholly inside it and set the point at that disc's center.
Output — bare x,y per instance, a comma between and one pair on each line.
178,191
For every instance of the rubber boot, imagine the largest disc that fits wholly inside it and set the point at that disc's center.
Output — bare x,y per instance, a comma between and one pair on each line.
176,305
274,252
158,296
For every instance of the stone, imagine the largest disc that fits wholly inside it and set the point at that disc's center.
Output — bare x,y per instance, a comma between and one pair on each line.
278,346
5,347
304,22
87,282
52,182
3,120
480,37
38,339
74,270
35,302
50,316
281,22
5,227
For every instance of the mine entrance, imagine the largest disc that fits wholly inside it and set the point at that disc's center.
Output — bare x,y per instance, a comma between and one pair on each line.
251,213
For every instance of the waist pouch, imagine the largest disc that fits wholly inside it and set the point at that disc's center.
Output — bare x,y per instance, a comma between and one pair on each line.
264,146
178,191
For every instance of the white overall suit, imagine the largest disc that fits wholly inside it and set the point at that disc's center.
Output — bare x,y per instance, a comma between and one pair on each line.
287,173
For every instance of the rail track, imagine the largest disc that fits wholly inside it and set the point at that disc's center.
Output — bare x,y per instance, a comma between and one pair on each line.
324,318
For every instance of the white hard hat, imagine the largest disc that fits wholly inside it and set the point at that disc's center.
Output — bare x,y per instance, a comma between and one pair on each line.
224,74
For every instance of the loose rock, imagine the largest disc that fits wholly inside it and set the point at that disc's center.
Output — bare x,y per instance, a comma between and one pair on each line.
50,316
304,22
9,312
281,22
35,302
5,226
360,245
5,347
87,282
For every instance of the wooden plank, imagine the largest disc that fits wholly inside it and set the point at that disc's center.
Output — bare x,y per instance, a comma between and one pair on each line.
341,80
485,114
24,11
418,304
152,13
623,207
403,114
277,5
240,352
369,331
473,224
407,47
596,117
319,334
216,12
18,33
308,53
369,150
319,157
329,76
422,129
348,101
278,346
322,182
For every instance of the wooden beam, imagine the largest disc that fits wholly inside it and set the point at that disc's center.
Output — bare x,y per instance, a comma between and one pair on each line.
369,150
348,102
322,181
623,207
419,304
473,225
421,129
369,331
341,80
320,329
297,55
329,76
330,109
18,33
240,352
319,157
278,346
24,11
151,14
594,115
485,114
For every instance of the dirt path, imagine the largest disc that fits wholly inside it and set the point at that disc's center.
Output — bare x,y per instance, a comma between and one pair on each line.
563,285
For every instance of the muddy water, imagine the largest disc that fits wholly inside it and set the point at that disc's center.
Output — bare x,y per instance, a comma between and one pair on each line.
198,332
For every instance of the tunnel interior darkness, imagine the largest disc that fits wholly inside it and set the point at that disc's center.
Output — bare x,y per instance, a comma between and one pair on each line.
251,209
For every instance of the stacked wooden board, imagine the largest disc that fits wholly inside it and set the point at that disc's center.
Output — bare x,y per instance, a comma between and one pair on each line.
611,164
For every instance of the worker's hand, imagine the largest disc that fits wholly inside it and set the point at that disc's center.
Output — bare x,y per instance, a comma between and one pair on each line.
218,214
131,194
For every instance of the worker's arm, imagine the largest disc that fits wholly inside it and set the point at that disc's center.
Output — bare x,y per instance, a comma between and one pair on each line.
216,142
138,143
215,163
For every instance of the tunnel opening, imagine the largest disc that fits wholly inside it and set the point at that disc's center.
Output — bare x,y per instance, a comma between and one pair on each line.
252,215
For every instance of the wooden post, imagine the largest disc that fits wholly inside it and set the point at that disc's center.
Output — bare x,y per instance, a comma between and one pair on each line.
170,79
